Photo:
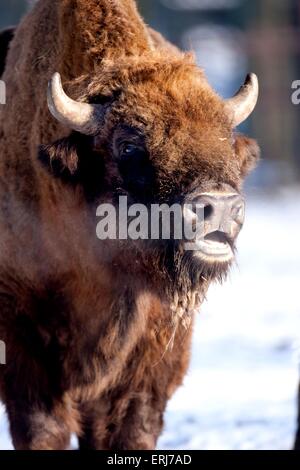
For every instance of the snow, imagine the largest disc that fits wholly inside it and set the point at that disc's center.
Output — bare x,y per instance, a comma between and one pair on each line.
240,392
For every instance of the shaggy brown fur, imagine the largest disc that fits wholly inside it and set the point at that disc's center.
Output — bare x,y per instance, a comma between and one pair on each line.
89,326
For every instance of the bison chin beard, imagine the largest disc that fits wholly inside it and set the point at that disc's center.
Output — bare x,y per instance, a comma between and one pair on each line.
189,271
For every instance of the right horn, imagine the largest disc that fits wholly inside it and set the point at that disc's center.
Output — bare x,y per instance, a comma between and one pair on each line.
81,117
244,102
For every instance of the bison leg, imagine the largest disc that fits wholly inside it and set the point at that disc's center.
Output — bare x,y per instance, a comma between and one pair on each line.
130,415
297,441
140,426
36,429
121,422
40,413
93,419
38,419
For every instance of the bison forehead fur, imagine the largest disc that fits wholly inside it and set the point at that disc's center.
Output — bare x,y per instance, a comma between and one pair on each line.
98,334
182,121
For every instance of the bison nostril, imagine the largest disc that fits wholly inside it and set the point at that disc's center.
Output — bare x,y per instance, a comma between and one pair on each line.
238,213
208,211
203,209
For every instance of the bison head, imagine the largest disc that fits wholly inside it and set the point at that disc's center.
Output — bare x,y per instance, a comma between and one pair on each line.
154,130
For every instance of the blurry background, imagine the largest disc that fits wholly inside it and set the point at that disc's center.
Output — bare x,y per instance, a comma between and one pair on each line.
240,392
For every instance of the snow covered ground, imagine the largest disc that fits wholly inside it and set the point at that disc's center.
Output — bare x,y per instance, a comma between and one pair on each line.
240,392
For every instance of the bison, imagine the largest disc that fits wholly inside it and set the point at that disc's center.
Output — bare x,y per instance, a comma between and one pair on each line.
98,333
297,438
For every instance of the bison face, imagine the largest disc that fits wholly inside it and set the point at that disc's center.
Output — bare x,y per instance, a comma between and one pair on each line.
157,133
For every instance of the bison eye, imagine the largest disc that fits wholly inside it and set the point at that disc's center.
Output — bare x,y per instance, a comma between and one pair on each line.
135,168
128,150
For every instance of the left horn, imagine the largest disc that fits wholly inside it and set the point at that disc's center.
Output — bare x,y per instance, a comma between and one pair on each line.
81,117
244,102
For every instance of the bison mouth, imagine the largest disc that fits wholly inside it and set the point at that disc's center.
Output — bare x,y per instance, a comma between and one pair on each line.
215,247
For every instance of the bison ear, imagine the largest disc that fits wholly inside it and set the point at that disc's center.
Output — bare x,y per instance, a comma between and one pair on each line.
248,153
74,160
62,157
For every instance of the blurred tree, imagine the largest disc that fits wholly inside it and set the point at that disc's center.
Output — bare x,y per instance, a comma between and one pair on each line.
273,39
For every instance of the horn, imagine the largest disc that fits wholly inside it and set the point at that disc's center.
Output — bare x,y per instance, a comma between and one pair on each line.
82,117
244,102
